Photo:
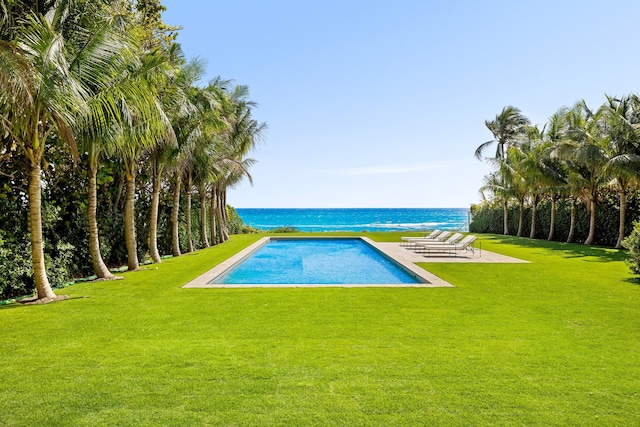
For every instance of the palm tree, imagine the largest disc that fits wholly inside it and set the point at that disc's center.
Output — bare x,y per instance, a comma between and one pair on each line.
200,175
534,166
507,128
497,185
566,182
516,175
214,217
623,151
188,189
584,152
242,134
119,91
202,193
232,173
149,127
556,176
173,91
145,129
40,101
228,135
187,129
201,169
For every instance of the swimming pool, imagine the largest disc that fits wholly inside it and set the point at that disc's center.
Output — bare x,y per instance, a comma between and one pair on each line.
315,261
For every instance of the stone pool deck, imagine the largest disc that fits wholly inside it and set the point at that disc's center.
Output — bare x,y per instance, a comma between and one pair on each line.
399,252
407,257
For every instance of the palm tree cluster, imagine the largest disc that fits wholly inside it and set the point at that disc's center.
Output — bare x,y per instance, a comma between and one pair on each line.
580,155
105,82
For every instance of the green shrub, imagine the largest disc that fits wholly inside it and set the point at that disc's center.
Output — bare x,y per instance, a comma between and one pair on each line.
632,242
16,276
285,229
486,218
61,257
247,229
235,222
112,241
58,262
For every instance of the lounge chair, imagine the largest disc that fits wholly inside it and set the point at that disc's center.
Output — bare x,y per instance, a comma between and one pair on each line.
439,238
430,236
450,241
464,245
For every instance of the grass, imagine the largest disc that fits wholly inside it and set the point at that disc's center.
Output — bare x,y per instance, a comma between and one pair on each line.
553,342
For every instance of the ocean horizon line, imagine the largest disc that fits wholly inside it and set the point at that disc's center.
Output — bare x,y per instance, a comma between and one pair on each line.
295,207
356,219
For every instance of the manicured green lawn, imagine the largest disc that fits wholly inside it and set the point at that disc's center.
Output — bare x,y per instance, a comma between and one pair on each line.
553,342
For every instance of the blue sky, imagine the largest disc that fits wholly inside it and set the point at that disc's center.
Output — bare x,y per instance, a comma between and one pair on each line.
383,103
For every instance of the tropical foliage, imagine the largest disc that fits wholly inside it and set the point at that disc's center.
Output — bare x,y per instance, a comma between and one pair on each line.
632,242
583,160
101,119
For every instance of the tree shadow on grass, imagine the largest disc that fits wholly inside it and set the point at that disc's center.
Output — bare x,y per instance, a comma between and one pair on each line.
17,303
566,250
633,280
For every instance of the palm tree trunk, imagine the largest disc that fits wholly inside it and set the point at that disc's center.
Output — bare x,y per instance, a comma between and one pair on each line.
623,214
115,205
224,203
187,190
175,231
506,216
222,236
592,223
521,218
203,217
552,226
225,217
213,216
572,225
99,268
153,217
534,217
35,221
129,221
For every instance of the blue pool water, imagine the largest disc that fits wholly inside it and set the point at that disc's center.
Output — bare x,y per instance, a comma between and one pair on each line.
357,219
316,261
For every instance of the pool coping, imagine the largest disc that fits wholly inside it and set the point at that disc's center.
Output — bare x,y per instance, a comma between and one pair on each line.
202,281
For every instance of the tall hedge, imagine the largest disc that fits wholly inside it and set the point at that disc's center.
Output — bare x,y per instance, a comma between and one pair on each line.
488,218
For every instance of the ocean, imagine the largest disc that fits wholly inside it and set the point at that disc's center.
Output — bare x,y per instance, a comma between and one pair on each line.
355,219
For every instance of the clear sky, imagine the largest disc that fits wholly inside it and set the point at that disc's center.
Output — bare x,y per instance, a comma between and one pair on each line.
383,103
